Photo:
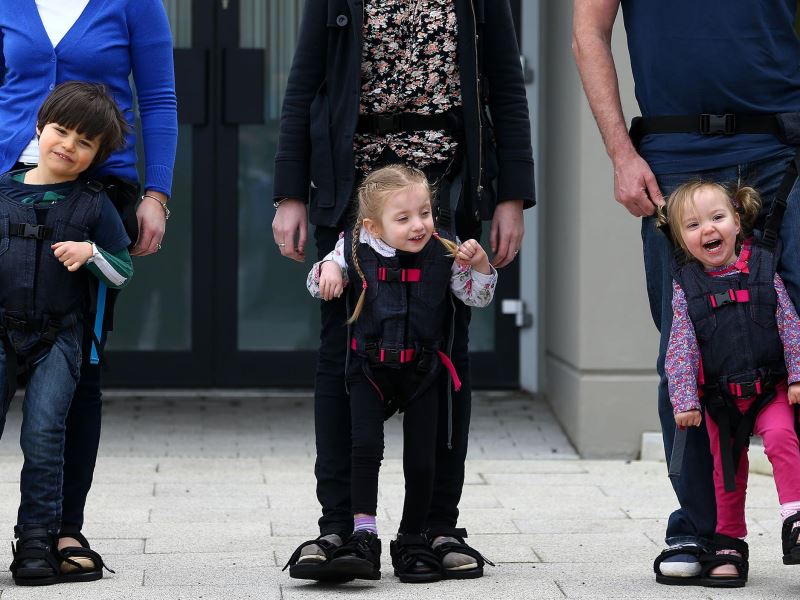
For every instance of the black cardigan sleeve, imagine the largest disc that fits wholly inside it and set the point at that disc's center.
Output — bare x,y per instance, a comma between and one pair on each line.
305,78
508,105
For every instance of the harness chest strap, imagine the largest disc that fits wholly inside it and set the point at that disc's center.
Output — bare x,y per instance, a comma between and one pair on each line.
402,275
729,297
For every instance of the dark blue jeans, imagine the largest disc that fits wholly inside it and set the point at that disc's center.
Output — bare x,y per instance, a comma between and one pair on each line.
44,412
695,520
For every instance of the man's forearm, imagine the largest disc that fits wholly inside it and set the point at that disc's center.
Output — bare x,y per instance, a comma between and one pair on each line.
591,45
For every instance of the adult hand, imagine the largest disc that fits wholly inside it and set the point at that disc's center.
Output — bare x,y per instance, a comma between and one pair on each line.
290,228
635,186
508,229
152,224
690,418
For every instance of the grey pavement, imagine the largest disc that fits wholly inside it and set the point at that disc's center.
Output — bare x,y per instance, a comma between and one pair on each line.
204,496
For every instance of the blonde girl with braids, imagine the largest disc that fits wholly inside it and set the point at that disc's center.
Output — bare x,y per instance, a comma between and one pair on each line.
735,342
405,274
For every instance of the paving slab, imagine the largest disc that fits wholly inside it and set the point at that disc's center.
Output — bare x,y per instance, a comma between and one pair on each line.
205,495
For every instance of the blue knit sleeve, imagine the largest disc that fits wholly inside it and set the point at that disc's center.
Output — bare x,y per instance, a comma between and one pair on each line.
154,77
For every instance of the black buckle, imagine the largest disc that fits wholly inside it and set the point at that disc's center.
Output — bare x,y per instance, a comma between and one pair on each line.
716,124
391,356
386,123
747,388
722,299
391,274
371,350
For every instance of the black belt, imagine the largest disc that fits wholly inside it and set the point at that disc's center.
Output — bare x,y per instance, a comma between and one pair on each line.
381,124
704,124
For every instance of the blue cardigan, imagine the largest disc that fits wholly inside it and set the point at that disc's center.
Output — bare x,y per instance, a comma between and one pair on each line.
109,41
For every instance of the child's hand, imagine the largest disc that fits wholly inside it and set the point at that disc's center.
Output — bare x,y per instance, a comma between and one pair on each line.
72,255
690,418
794,393
330,280
471,253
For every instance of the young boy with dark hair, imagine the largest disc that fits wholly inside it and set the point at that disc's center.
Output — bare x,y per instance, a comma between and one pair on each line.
52,223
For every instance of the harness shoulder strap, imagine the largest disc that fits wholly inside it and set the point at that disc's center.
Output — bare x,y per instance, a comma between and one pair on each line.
772,225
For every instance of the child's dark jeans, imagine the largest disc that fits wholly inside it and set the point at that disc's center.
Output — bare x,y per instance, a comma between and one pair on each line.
48,394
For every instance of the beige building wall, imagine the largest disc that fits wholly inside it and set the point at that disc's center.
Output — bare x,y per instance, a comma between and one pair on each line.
600,342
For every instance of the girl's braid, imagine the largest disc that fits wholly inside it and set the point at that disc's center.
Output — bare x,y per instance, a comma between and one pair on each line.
354,249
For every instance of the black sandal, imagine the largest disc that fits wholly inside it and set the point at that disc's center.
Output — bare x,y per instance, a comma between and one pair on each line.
413,560
317,571
459,547
34,561
692,549
72,569
713,559
789,538
359,557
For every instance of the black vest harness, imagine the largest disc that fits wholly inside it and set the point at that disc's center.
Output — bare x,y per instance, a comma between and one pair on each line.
405,319
742,353
38,296
734,320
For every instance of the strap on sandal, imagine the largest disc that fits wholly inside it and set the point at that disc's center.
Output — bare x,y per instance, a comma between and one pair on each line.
790,533
324,545
460,547
412,549
692,549
712,559
83,551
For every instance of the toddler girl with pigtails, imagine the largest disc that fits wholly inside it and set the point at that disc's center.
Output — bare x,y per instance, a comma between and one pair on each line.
734,354
399,275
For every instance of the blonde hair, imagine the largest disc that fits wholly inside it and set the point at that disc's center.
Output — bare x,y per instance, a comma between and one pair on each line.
745,201
374,191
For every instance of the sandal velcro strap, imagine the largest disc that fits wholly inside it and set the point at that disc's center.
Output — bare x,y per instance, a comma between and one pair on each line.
324,545
415,548
692,549
790,533
713,559
70,553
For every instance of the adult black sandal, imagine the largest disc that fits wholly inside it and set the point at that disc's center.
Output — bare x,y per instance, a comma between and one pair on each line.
80,563
359,557
789,537
720,554
34,561
460,547
315,570
413,560
692,550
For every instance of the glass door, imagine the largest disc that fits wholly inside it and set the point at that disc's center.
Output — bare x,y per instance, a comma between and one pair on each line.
219,306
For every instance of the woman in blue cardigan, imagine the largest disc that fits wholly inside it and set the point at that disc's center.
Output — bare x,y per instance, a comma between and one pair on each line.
46,42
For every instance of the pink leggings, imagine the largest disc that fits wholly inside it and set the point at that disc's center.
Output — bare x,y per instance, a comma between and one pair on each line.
775,423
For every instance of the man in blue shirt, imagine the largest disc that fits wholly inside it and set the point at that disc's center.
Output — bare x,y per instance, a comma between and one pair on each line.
693,58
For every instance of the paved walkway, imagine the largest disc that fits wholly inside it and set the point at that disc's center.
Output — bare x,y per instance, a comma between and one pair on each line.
205,497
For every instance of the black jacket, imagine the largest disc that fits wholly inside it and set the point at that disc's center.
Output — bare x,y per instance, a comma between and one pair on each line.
320,111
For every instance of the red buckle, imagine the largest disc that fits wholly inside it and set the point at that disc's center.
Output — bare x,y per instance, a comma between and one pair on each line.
396,356
745,390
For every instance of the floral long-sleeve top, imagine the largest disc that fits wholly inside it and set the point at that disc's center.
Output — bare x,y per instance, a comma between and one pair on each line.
682,361
409,63
472,287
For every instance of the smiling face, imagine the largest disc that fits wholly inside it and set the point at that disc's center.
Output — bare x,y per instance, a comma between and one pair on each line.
64,153
406,221
709,227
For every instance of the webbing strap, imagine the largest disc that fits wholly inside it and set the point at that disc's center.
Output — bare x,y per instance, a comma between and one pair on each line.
402,275
731,296
745,390
772,224
386,355
94,357
678,449
448,364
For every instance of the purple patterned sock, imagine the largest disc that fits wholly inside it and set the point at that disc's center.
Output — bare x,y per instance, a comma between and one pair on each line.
365,523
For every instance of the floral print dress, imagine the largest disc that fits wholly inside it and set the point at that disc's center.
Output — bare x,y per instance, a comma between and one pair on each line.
408,64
